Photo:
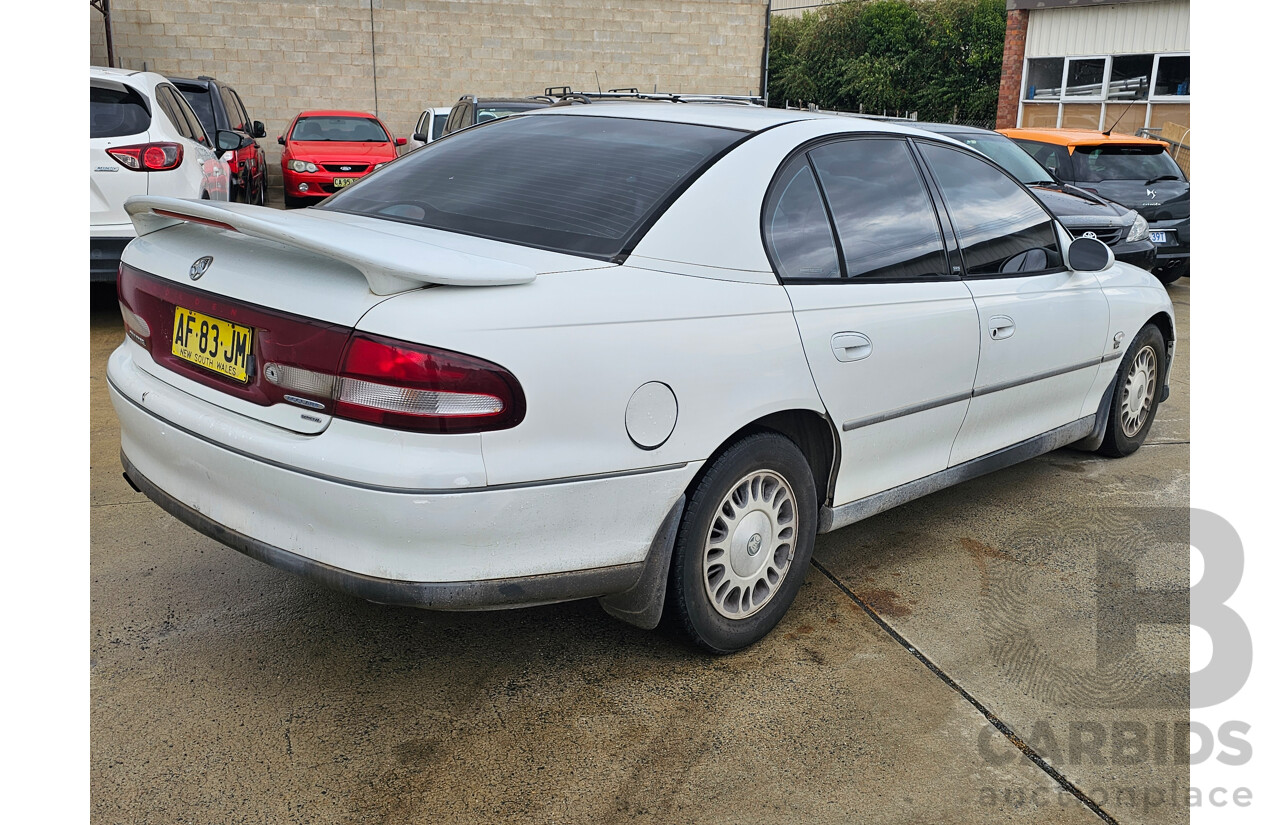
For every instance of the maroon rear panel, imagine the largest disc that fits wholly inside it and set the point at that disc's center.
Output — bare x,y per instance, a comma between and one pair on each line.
277,336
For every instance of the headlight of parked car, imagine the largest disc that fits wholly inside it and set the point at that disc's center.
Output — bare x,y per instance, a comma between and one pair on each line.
302,166
1139,231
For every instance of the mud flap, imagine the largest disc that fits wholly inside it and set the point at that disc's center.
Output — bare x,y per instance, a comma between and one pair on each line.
641,604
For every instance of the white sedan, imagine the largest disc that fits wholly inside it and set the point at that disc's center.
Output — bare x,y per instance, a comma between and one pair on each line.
639,352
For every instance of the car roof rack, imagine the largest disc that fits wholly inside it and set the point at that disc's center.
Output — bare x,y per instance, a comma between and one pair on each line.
565,94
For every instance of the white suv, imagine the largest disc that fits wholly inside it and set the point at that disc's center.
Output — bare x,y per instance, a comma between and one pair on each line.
430,126
144,139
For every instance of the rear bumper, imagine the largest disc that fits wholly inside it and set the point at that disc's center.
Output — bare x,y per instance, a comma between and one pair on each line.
485,594
461,548
104,258
1176,253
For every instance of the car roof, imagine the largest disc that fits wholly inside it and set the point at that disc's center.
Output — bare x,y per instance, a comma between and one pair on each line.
1078,137
104,72
335,113
953,129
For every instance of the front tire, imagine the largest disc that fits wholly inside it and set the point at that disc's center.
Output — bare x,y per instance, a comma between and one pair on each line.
744,544
1137,394
291,202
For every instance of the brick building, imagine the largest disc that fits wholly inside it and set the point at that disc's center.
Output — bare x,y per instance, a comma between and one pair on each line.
1098,64
398,57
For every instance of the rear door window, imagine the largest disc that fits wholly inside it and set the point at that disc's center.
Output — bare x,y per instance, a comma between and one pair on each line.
114,112
586,186
1003,230
437,126
884,218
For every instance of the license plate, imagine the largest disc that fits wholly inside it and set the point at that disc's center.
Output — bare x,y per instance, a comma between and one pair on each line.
338,183
1159,237
212,343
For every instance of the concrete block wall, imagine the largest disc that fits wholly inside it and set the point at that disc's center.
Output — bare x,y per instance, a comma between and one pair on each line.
284,56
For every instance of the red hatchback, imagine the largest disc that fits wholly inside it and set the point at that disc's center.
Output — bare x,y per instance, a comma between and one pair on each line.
327,150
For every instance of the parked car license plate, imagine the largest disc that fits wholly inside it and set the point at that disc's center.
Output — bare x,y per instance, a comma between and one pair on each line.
338,183
1159,237
212,343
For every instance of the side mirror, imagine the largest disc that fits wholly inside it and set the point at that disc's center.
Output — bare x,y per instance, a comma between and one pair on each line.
418,136
1089,255
280,140
401,141
226,141
259,131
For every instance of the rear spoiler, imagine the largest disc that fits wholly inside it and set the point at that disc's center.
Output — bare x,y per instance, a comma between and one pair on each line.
390,263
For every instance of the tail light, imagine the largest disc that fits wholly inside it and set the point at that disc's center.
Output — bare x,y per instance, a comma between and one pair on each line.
148,157
408,387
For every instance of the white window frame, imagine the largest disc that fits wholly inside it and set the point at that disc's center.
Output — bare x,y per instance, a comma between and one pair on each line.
1152,103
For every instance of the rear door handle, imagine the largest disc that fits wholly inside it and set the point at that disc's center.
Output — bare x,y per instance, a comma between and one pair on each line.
1001,327
850,346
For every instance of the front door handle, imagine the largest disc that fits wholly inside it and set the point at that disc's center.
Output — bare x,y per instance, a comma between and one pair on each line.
1001,327
850,346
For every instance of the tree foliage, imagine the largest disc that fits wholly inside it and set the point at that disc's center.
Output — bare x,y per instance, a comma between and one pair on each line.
940,58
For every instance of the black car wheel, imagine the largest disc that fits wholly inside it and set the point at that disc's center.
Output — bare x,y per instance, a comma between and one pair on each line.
744,544
1137,394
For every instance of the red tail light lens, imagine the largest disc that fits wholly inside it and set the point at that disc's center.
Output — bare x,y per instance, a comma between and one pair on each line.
148,157
408,387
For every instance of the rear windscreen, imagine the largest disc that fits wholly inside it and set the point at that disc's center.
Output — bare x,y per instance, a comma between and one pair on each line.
583,185
1145,163
116,112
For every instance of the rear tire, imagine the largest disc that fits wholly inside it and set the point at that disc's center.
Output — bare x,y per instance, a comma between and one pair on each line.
744,544
1139,382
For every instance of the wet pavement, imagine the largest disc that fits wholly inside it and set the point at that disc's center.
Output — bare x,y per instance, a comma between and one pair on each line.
998,652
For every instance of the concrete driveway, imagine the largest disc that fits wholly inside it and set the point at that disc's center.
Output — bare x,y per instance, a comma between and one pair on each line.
1008,650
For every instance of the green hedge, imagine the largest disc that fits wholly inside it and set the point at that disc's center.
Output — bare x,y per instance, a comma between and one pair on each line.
940,58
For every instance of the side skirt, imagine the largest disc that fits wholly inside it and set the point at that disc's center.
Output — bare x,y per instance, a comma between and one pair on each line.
833,518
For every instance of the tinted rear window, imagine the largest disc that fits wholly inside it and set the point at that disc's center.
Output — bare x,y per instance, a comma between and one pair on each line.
1145,163
200,100
325,127
116,112
583,185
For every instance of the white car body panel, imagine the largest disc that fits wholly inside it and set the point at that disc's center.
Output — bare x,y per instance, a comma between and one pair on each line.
694,307
923,349
583,342
1060,322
